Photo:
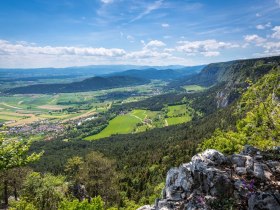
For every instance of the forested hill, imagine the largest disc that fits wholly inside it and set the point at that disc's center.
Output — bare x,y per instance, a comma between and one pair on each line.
166,74
233,72
90,84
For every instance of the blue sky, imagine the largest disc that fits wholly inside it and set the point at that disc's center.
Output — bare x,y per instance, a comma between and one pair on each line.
60,33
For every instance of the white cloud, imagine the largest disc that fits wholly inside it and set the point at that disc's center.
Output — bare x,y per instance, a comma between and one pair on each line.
155,44
211,54
262,27
31,55
107,1
271,48
145,53
277,2
208,48
156,5
26,55
254,38
26,49
169,50
276,33
165,25
258,15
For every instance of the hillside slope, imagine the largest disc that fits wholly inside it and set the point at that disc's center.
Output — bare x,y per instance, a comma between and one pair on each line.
232,72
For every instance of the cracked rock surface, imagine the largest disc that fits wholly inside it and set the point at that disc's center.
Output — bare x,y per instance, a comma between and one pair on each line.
211,180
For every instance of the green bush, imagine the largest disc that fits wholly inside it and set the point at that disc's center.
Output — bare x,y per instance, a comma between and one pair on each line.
95,204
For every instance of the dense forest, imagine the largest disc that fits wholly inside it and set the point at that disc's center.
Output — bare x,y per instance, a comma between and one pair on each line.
127,171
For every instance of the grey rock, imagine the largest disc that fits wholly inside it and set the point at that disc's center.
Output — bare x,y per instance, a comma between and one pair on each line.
209,157
238,160
250,150
212,176
262,171
146,207
274,166
178,180
240,170
262,200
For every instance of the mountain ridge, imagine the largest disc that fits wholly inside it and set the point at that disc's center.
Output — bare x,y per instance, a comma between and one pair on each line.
90,84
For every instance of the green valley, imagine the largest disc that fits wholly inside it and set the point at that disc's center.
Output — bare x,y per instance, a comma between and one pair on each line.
133,135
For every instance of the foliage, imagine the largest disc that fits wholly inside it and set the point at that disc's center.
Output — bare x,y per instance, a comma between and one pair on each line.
44,191
96,203
72,166
14,153
22,204
260,125
97,173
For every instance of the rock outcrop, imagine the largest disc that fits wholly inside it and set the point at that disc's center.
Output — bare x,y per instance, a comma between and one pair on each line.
249,180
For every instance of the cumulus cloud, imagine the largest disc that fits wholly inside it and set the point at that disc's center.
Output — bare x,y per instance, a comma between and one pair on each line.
262,27
26,49
208,48
13,54
154,44
254,38
165,25
272,47
26,55
276,33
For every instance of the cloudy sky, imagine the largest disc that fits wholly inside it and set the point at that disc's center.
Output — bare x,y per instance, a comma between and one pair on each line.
60,33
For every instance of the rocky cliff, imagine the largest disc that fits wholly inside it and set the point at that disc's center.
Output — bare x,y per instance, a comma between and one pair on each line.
249,180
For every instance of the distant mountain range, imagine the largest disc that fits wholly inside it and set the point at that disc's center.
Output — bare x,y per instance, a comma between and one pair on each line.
84,71
106,81
90,84
165,74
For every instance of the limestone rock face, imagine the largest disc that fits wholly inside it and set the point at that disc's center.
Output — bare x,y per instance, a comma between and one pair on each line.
249,180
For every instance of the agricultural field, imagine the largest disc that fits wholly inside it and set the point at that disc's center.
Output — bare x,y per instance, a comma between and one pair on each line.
16,110
139,120
178,114
132,122
194,88
28,108
121,124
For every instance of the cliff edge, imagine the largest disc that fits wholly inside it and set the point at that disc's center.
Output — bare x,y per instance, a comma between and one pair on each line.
211,180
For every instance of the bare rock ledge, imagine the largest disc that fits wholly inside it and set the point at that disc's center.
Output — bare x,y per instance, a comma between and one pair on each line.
249,180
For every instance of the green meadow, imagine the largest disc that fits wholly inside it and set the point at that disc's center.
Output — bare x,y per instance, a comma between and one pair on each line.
121,124
178,114
194,88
